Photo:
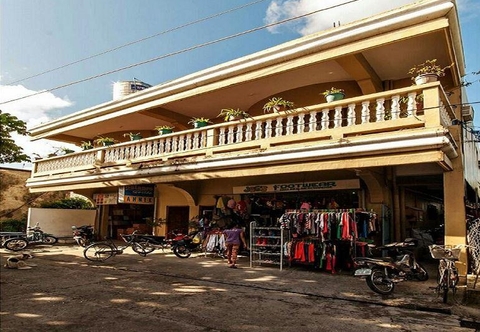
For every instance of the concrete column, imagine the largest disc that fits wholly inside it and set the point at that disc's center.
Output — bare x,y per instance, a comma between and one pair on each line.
455,224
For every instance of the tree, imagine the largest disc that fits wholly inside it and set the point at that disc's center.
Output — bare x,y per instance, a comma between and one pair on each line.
9,151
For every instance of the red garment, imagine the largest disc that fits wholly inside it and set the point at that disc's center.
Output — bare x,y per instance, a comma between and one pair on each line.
345,226
311,253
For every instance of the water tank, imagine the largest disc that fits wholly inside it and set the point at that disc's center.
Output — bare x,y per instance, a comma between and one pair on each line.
124,88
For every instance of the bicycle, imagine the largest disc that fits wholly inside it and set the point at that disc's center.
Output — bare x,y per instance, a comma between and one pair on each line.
101,251
447,278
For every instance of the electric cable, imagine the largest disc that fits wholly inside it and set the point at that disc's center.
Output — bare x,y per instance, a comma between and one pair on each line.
136,41
176,52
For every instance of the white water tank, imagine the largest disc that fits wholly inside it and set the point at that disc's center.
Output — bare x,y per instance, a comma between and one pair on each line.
124,88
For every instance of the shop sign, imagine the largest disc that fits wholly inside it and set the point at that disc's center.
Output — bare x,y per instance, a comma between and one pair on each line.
136,194
300,186
105,199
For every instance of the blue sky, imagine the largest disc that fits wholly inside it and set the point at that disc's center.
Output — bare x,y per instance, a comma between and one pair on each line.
39,35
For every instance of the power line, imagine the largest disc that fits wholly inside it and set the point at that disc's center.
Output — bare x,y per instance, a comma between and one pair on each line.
137,41
178,52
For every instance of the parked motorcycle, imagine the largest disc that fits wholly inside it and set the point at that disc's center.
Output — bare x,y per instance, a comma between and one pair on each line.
150,243
34,235
383,273
83,235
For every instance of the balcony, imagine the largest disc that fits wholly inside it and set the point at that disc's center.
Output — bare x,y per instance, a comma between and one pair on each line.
388,127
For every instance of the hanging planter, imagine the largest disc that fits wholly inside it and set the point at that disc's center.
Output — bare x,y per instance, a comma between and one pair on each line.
333,94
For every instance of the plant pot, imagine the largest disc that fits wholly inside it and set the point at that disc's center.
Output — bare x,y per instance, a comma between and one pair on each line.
135,137
234,118
165,131
199,124
334,96
425,78
108,143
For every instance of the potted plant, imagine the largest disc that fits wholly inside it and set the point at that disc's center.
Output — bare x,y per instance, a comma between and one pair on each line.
333,94
165,129
86,145
426,72
199,122
105,141
231,114
276,104
65,150
133,136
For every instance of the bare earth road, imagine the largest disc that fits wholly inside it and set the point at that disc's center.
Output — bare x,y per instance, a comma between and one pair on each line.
161,292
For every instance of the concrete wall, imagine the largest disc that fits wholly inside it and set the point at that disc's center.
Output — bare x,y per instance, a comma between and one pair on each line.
59,222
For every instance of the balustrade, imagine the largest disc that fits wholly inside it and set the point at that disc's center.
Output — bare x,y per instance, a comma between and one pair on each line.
385,107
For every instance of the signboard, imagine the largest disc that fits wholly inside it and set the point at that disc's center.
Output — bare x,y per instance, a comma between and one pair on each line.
299,186
140,194
105,199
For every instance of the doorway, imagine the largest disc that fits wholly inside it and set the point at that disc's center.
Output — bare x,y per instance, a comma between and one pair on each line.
178,218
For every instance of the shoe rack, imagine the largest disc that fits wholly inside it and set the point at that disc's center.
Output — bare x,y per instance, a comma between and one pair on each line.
266,245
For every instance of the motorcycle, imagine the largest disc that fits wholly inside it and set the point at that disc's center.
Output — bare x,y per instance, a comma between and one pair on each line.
83,235
184,245
152,242
383,273
34,235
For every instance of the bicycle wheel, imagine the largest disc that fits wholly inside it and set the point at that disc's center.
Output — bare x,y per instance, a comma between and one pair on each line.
454,281
98,252
442,281
140,249
144,246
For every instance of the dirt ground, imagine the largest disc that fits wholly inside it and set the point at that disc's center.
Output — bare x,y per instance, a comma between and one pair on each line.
160,292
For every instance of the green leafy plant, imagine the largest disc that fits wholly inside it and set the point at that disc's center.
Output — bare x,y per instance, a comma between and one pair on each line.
229,114
164,127
332,91
428,67
133,136
86,145
64,150
69,203
194,120
105,141
275,104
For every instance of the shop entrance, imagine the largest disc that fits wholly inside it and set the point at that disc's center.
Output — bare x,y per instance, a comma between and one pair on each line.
178,218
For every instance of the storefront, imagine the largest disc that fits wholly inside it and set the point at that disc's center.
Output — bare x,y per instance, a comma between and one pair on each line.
129,208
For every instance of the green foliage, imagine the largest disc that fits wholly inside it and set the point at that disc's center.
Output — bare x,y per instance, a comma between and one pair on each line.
9,151
69,203
13,225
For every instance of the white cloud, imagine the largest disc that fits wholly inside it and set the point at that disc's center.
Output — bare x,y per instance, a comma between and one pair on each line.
325,19
33,110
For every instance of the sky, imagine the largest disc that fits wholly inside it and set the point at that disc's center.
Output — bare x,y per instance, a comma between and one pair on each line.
76,49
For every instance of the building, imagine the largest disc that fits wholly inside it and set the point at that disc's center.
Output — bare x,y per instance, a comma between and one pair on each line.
389,148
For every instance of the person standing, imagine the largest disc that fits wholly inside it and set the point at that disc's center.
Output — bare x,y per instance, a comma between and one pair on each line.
233,238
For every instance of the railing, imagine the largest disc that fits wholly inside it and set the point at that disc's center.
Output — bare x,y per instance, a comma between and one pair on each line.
379,112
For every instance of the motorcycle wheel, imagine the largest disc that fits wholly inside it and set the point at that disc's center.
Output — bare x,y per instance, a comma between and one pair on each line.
421,273
182,251
50,239
15,244
379,283
98,252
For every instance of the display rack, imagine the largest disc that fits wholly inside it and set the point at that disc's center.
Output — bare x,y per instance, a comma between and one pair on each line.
266,245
